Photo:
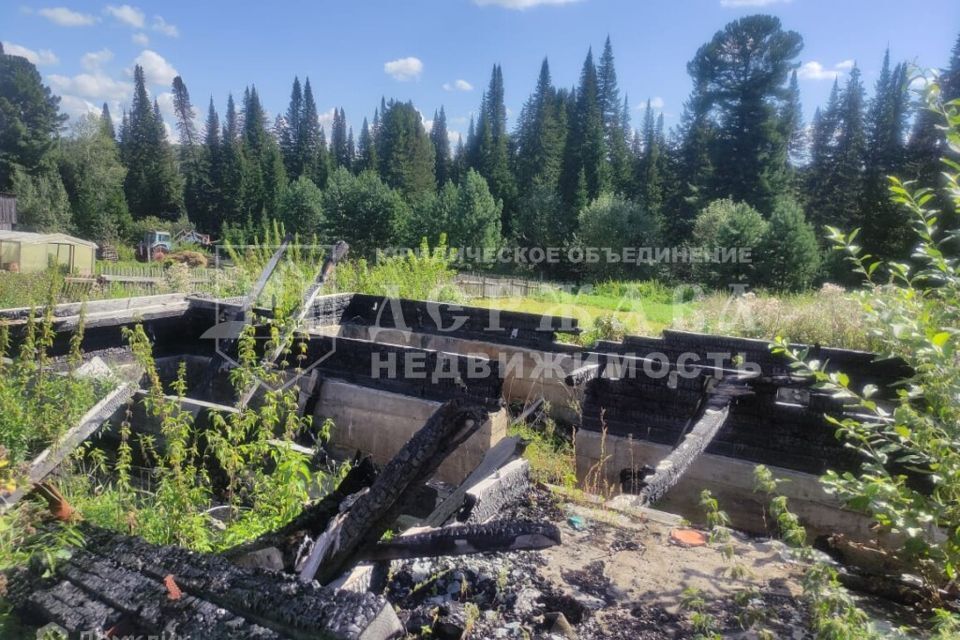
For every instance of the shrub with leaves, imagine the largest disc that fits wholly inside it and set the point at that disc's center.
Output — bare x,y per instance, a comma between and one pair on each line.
910,479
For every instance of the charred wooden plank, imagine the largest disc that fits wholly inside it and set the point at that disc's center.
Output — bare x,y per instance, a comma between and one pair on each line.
289,539
456,540
374,511
495,458
52,456
275,602
714,414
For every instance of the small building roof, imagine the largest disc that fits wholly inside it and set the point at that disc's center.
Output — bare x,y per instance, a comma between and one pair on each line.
25,237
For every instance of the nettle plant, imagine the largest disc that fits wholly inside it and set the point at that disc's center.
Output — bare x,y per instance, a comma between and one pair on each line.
910,479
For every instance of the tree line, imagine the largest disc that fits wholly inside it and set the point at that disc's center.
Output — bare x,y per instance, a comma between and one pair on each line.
742,168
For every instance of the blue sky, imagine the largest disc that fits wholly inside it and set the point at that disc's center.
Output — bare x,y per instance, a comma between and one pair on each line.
438,52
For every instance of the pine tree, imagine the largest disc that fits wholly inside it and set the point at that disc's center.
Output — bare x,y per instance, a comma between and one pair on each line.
264,177
441,147
649,166
740,76
213,210
30,119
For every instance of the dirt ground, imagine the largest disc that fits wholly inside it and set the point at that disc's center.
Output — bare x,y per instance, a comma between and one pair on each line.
615,575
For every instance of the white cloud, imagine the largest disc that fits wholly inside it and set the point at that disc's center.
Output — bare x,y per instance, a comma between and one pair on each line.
156,69
75,106
813,70
165,101
95,59
41,57
751,3
67,18
97,86
656,102
164,27
404,69
326,119
521,5
130,16
457,85
140,38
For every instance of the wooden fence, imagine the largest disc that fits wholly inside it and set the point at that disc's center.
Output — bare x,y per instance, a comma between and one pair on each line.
476,285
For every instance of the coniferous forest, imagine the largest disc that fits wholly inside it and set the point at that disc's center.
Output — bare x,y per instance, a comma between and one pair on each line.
741,169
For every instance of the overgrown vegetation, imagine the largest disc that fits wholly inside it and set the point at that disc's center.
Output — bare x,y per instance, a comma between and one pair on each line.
909,482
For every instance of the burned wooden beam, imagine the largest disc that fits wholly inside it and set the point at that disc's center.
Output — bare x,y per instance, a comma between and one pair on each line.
337,253
457,540
121,582
289,539
235,319
501,453
374,511
712,415
52,456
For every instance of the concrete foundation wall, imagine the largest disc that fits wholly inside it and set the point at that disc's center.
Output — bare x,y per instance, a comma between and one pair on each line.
380,423
730,481
533,375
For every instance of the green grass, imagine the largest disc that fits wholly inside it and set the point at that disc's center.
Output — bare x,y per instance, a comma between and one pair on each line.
638,316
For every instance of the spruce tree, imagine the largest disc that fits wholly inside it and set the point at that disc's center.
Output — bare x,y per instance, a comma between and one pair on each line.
312,143
584,153
339,148
290,134
232,168
883,221
106,121
441,147
192,160
405,151
152,185
615,121
366,149
540,137
492,159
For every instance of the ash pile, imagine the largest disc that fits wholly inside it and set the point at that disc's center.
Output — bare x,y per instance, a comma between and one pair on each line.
386,554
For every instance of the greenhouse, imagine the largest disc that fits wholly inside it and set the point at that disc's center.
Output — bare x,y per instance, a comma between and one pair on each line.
25,252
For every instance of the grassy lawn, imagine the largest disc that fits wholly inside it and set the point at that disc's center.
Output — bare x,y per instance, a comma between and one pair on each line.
639,316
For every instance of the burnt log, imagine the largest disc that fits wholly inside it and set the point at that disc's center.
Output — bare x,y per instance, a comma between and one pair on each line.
373,512
711,416
123,582
463,539
312,521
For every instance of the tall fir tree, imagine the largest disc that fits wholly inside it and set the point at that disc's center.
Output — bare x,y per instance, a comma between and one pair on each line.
152,185
405,151
366,149
231,168
192,160
882,220
106,122
492,155
290,133
540,136
312,143
585,148
339,148
441,147
615,121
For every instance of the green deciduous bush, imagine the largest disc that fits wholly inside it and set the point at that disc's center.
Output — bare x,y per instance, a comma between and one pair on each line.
910,479
614,222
